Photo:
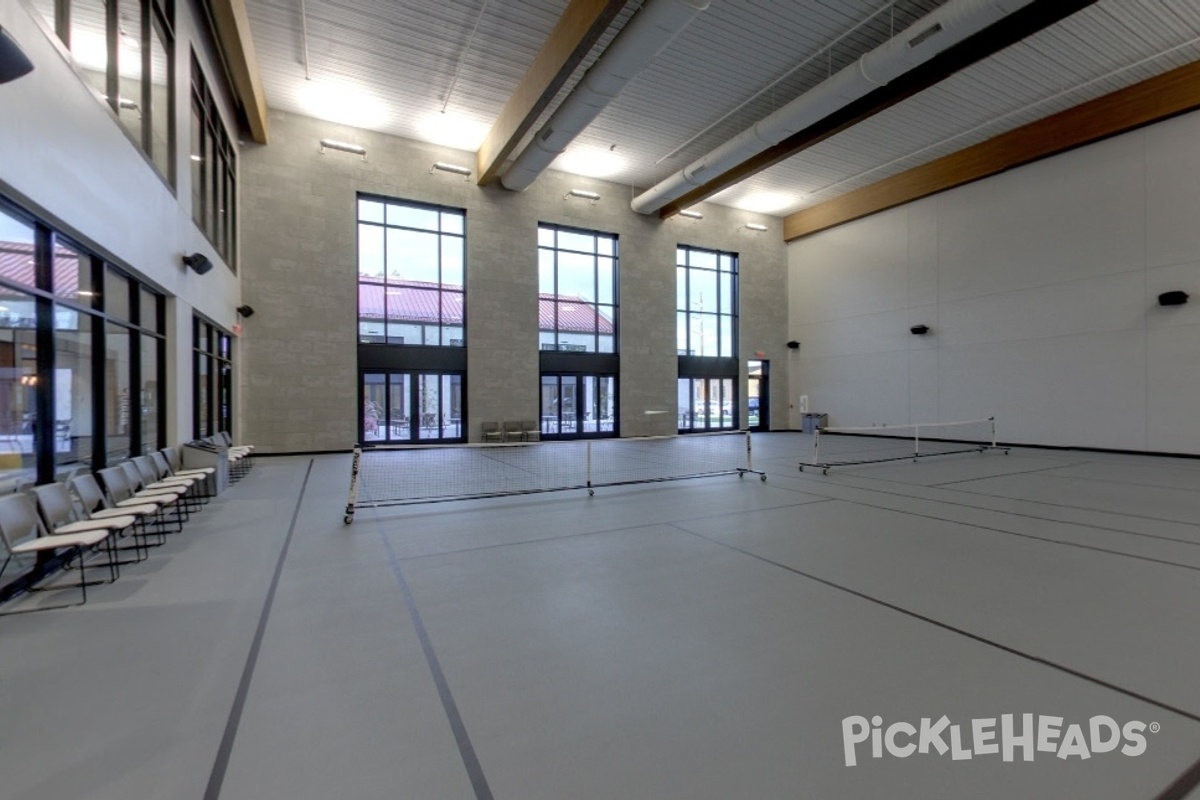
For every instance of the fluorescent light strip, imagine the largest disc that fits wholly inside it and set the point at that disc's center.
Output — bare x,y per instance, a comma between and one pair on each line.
584,194
691,214
754,226
455,168
345,147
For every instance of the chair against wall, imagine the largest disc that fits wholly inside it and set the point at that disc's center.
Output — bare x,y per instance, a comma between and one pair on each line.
95,506
22,533
120,494
492,432
60,517
530,431
513,431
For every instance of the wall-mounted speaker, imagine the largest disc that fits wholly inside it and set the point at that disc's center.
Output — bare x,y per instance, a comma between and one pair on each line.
1172,298
13,62
793,345
198,262
920,330
245,311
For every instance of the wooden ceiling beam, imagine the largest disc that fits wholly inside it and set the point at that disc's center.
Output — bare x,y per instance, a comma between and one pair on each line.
1008,31
577,31
233,34
1172,93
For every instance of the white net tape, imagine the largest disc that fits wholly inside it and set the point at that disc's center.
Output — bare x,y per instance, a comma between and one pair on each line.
843,446
400,475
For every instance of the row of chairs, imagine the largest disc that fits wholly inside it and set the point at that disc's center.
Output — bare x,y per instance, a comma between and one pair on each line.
512,431
122,509
240,455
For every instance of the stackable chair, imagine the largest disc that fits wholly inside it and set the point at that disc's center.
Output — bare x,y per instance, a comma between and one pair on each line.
58,513
23,533
124,483
151,479
492,432
95,506
119,493
530,432
201,478
513,431
241,456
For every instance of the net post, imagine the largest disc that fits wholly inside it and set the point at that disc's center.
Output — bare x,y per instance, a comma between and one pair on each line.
993,421
590,488
916,442
355,466
749,456
816,446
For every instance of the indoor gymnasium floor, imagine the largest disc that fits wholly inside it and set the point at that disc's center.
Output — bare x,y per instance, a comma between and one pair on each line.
714,638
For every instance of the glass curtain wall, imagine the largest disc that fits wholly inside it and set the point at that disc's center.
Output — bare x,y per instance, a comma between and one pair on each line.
212,379
706,314
72,347
124,50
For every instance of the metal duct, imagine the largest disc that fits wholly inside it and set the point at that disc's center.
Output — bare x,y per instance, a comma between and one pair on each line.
924,39
645,36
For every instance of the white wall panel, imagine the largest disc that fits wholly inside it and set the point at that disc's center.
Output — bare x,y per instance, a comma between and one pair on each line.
1173,405
1107,303
1063,219
852,272
1043,304
1173,205
866,389
1086,390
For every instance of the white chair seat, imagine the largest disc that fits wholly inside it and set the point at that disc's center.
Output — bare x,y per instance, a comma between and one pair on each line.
80,539
125,510
86,525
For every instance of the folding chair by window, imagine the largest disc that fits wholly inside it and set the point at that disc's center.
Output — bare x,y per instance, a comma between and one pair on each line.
58,513
512,431
22,533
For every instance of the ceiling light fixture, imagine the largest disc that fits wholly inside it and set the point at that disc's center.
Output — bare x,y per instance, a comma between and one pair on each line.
754,226
691,214
345,147
442,166
586,195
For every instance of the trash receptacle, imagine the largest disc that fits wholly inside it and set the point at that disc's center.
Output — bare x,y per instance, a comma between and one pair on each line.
812,421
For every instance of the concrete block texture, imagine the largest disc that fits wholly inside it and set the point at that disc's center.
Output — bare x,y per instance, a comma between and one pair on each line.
299,352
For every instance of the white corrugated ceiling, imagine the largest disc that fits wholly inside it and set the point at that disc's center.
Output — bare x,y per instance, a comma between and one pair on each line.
390,65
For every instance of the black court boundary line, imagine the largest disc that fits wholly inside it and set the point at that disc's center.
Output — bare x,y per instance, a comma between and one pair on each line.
1081,508
953,629
216,778
466,750
1030,536
1021,514
1182,785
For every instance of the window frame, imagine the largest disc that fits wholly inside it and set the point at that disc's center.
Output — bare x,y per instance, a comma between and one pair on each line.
442,235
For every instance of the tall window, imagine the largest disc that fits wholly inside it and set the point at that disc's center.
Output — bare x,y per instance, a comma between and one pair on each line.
80,361
212,379
411,264
214,171
577,290
125,50
706,302
706,338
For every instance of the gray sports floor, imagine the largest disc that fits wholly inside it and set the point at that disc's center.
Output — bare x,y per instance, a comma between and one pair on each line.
698,639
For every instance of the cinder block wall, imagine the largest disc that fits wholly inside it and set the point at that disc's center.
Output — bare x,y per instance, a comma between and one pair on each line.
298,355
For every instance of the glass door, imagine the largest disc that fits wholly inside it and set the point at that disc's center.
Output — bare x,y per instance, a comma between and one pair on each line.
578,406
400,407
758,396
